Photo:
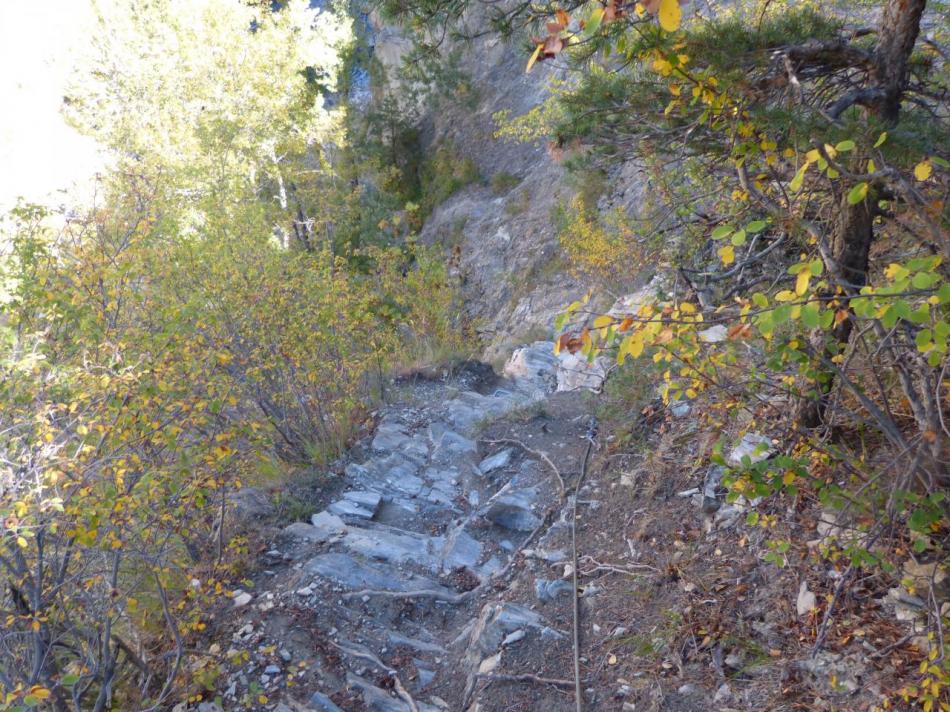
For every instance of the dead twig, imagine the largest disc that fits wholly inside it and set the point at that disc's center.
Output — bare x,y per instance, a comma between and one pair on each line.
578,696
537,453
888,648
598,566
526,677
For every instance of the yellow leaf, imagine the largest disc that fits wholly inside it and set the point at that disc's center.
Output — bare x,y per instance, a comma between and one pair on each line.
727,254
788,478
602,321
39,692
21,542
670,15
923,170
534,58
801,283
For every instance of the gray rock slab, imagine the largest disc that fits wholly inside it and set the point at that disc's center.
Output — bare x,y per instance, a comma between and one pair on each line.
514,511
350,511
497,620
396,638
453,447
535,362
322,703
395,546
496,462
547,591
301,531
461,549
364,498
349,572
329,525
378,700
463,416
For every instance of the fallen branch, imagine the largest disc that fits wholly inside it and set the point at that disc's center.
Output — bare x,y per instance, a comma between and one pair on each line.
537,453
525,677
598,566
893,646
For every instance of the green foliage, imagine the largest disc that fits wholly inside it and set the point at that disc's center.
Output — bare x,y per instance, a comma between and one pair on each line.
502,182
223,302
442,174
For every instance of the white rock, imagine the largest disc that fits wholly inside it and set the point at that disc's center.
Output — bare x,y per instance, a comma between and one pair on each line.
489,664
807,600
757,447
575,373
242,599
714,334
513,638
723,694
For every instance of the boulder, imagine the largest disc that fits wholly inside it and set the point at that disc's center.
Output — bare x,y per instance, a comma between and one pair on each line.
535,362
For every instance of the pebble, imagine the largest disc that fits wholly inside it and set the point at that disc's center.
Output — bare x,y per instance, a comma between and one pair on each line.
723,694
272,670
513,638
242,599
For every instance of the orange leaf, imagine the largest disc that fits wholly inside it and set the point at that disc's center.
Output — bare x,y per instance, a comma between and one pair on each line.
739,331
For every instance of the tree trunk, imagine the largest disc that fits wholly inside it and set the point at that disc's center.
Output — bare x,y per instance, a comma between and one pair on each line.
853,233
900,25
850,248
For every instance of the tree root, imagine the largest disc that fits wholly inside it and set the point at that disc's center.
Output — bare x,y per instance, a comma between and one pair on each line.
404,694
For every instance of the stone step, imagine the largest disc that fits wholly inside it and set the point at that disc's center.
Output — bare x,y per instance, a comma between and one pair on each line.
401,547
350,573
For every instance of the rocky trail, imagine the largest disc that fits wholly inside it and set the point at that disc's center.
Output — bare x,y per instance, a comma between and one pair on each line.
439,577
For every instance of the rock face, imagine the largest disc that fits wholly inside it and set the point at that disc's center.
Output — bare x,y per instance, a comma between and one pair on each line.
510,261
